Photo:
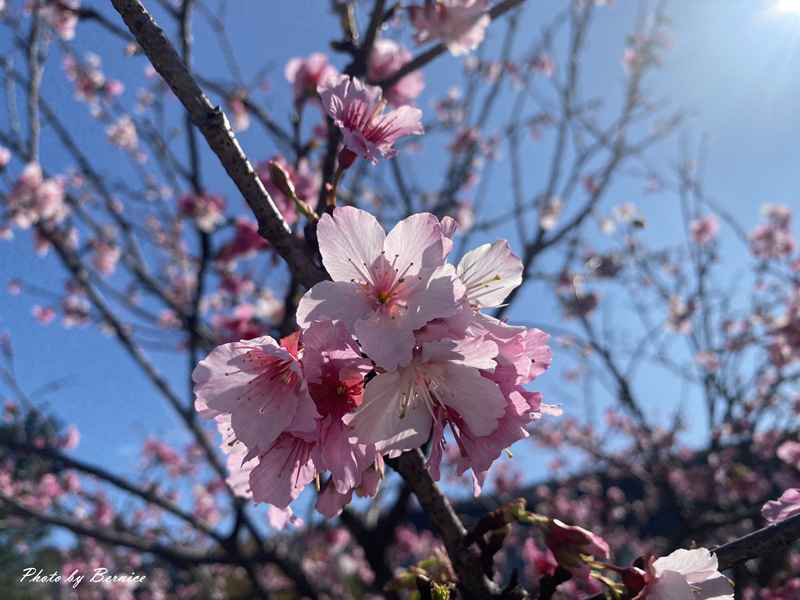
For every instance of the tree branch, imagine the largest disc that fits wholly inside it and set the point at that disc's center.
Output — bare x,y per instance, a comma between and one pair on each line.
214,125
466,559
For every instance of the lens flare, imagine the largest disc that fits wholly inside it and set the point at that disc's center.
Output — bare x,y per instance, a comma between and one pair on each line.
787,6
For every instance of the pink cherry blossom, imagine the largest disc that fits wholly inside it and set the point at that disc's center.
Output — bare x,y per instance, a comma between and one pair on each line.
386,59
279,518
384,286
539,562
774,238
71,438
44,315
122,133
62,16
686,575
245,243
704,230
208,211
306,74
461,24
243,324
523,355
239,113
788,505
106,256
273,460
357,109
442,384
789,452
260,384
34,198
5,157
335,371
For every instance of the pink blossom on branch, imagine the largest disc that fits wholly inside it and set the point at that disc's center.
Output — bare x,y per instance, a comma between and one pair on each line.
788,505
461,24
442,384
61,15
384,286
704,230
208,211
34,198
387,58
261,385
317,376
357,109
682,575
306,74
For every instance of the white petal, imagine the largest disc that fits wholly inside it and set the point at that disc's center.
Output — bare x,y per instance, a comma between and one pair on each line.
697,565
490,272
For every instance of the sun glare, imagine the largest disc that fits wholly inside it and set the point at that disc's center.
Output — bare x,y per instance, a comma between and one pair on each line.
787,6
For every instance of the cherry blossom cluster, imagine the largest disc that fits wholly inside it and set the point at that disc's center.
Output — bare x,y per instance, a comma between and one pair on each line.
392,352
34,198
460,24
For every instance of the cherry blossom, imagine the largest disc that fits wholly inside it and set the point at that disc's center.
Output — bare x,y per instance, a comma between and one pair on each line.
461,24
106,256
273,461
442,384
34,198
306,74
387,58
788,505
685,575
207,210
384,286
61,15
260,384
245,243
5,157
357,109
704,230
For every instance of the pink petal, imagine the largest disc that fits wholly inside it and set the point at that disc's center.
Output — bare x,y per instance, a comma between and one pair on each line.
476,352
788,505
227,382
388,342
670,586
332,301
330,502
417,242
349,240
345,461
438,299
282,472
476,399
379,419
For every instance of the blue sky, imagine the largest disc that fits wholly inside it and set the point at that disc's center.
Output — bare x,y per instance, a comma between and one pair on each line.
732,66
